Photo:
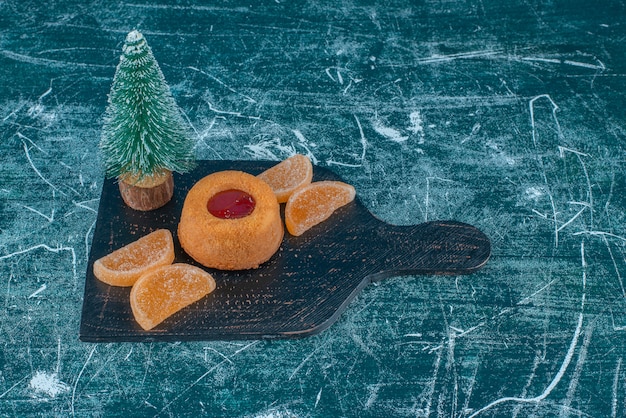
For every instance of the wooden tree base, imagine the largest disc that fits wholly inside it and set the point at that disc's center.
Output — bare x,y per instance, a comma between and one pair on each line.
148,194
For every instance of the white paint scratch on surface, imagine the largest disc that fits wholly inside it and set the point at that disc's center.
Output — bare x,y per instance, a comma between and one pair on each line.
3,394
566,224
281,412
579,155
32,164
534,193
600,234
48,62
49,218
339,78
373,395
318,397
427,196
304,143
300,136
430,390
616,381
38,291
205,374
569,355
435,59
302,363
47,384
364,146
83,205
390,133
555,381
79,376
416,125
246,98
615,267
599,66
218,353
231,113
272,149
529,298
555,108
539,358
47,248
575,379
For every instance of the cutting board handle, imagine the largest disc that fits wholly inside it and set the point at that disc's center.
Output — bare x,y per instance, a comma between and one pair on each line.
436,247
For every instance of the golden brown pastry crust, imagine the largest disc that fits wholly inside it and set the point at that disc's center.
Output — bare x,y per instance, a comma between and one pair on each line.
230,244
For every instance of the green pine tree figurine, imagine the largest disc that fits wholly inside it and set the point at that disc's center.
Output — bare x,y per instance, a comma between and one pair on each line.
144,137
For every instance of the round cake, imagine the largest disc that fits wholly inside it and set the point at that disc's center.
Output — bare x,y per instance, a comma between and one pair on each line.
230,221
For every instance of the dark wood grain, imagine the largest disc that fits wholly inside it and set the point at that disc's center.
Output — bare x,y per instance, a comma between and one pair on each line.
147,198
301,291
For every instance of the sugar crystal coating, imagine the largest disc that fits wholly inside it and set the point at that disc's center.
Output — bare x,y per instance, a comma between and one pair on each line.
314,203
164,291
125,265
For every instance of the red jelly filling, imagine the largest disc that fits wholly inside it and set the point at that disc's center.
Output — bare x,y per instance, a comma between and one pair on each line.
231,204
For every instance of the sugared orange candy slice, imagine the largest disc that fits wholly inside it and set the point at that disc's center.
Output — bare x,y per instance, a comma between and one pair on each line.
314,203
166,290
288,176
125,265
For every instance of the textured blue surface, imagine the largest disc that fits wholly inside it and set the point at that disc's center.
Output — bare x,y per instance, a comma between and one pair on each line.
507,115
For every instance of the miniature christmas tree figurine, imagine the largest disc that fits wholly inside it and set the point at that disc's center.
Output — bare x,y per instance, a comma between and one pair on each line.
144,137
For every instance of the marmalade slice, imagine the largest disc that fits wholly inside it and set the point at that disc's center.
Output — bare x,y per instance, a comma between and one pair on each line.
288,176
166,290
314,203
125,265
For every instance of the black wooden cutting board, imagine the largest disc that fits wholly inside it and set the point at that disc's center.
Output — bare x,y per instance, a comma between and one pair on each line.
300,291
